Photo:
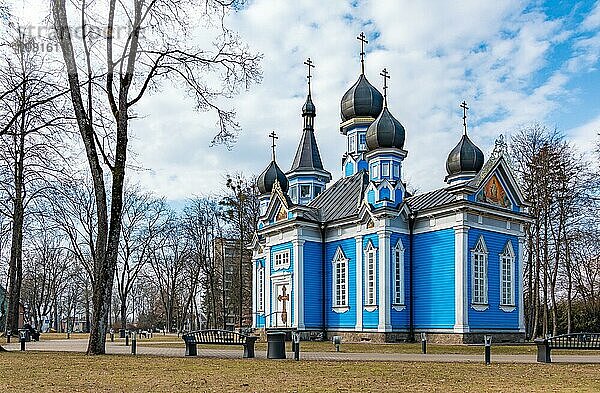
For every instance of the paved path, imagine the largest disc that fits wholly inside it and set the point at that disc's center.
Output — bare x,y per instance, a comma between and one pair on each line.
80,345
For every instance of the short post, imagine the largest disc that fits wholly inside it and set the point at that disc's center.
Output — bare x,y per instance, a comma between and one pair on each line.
424,343
68,334
8,337
151,331
126,339
488,349
22,337
296,342
112,337
133,343
337,341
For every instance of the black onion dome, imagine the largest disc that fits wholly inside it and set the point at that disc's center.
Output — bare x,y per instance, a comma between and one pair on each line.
267,178
309,107
385,131
361,100
465,157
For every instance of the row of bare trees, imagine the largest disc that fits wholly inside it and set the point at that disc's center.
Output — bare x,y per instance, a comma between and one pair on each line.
562,258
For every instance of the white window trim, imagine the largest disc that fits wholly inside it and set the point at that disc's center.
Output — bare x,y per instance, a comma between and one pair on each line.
375,169
370,250
385,169
480,250
283,264
260,292
509,253
396,171
398,271
339,259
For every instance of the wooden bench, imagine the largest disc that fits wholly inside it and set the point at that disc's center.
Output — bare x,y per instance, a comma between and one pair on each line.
589,341
220,337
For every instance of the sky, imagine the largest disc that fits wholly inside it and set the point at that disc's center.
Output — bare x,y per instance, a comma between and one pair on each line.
514,63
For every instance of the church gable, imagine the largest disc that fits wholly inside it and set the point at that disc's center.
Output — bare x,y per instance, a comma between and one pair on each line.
498,187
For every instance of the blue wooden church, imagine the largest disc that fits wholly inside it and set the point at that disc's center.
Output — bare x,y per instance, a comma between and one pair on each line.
364,259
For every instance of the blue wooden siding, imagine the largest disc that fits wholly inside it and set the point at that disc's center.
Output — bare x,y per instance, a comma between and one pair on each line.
313,285
433,279
260,318
348,318
400,319
370,318
349,170
493,317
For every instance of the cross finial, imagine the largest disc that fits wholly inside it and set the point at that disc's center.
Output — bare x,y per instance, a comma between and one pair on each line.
309,64
465,108
363,40
386,76
273,136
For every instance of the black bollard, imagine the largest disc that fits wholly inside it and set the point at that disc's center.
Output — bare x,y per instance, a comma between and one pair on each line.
8,338
112,337
126,339
23,342
68,334
296,345
133,344
424,343
488,349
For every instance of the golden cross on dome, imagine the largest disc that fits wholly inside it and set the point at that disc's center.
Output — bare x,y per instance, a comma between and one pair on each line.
465,108
363,40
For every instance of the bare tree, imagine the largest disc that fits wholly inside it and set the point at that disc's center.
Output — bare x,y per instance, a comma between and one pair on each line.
156,46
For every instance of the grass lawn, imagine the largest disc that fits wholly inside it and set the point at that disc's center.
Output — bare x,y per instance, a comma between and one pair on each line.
70,372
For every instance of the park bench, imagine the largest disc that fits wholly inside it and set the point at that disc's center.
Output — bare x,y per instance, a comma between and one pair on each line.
589,341
220,337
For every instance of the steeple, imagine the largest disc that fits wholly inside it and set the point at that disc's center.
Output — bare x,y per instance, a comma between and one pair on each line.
466,159
307,176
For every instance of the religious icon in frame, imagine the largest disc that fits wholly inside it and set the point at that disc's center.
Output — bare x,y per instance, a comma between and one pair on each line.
493,193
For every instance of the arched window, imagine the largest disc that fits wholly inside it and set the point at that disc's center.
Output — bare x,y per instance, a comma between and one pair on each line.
479,271
370,294
260,280
340,280
398,258
507,276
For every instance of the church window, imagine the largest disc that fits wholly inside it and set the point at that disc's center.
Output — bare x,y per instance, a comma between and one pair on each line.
351,143
362,142
305,191
479,262
398,255
260,288
370,297
318,190
374,171
340,279
396,171
294,194
385,169
282,260
507,274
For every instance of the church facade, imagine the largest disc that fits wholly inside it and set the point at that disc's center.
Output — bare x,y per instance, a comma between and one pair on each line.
365,259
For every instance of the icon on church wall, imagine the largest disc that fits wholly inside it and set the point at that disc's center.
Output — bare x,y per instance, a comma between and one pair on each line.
493,193
282,214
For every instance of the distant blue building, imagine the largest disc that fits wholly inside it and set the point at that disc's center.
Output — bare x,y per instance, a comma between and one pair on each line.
365,259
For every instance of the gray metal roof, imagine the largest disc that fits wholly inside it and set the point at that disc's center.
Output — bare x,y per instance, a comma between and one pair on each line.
385,131
465,157
307,155
342,199
430,199
267,178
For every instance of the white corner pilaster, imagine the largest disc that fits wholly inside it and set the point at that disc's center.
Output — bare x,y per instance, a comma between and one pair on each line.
359,283
254,290
298,289
520,285
384,282
268,287
461,302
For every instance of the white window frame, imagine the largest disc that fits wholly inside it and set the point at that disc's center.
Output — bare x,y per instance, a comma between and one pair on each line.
340,298
362,145
479,276
370,277
281,260
260,290
385,169
507,281
375,170
351,144
398,259
396,171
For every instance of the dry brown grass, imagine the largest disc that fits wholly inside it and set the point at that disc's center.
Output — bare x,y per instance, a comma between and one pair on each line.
25,372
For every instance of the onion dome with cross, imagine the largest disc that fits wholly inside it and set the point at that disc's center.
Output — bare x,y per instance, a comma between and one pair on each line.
385,131
362,99
267,178
466,159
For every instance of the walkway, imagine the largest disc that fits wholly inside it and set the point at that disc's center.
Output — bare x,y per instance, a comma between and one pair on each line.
80,345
